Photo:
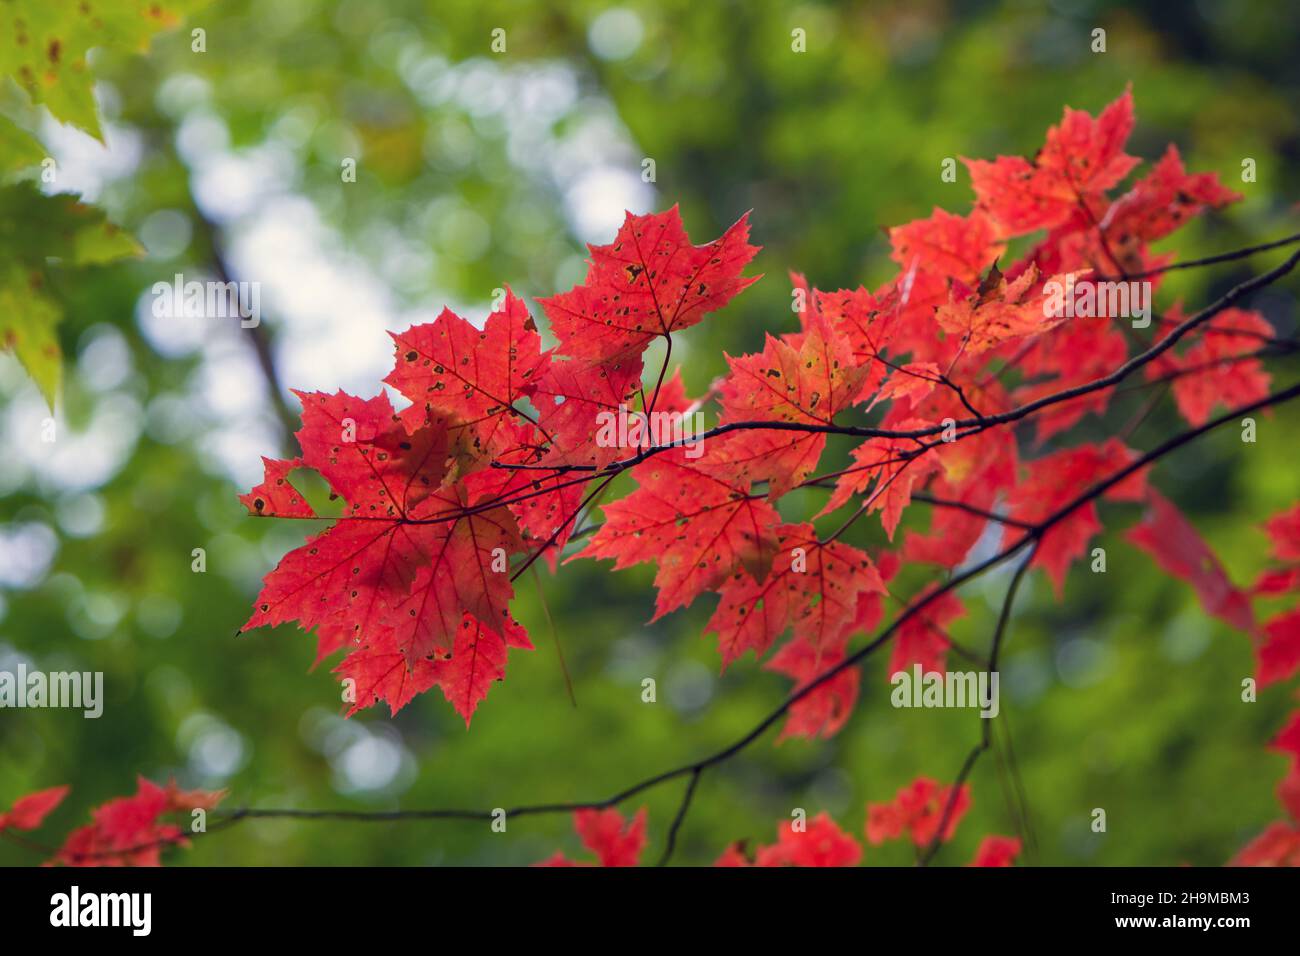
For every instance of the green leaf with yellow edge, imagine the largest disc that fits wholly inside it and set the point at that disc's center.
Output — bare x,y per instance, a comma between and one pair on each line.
43,46
38,234
27,320
18,149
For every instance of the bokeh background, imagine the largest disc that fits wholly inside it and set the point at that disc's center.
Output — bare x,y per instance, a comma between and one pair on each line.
476,170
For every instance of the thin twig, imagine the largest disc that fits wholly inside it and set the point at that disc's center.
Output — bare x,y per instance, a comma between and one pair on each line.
986,728
671,843
1207,260
555,636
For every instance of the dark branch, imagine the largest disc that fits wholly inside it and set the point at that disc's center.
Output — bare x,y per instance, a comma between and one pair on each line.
696,768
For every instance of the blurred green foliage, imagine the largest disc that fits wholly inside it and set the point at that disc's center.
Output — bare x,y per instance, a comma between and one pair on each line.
477,169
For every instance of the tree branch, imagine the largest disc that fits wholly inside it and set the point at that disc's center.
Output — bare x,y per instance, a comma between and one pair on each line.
695,769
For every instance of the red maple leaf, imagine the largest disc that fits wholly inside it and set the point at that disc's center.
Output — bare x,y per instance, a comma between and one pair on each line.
946,245
605,834
996,851
649,281
407,561
571,399
478,659
865,322
1274,581
915,380
917,809
806,378
1082,157
1279,654
921,639
816,842
1076,352
989,456
30,811
953,530
130,831
734,855
1168,537
450,368
1218,369
1162,201
814,588
276,496
1284,534
1284,530
543,501
1056,479
824,710
891,467
699,523
1278,845
999,310
614,843
1287,740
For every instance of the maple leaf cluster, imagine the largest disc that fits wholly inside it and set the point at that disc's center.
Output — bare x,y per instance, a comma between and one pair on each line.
413,578
604,832
918,810
818,842
483,470
936,343
1277,647
125,831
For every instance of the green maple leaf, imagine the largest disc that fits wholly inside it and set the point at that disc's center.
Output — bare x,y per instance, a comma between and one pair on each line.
39,233
18,149
43,46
